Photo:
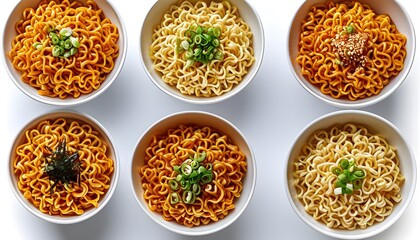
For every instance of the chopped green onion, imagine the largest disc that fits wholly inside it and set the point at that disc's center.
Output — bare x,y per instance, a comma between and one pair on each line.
201,45
202,169
188,197
73,51
186,169
340,184
194,174
189,54
350,29
347,191
217,32
66,32
344,163
173,184
63,41
196,189
349,177
207,177
67,44
338,191
195,164
201,157
199,30
38,46
210,32
54,38
337,171
185,45
205,39
359,173
218,55
208,51
174,198
342,177
216,42
190,175
185,185
346,172
357,183
197,51
197,39
57,51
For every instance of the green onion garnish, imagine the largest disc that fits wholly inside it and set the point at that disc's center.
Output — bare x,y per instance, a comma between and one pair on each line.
62,166
350,29
75,42
38,46
54,38
201,45
57,51
191,174
173,184
68,44
188,197
349,177
174,198
73,51
66,32
64,44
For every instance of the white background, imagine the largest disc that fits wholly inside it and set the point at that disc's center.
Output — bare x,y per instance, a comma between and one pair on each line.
270,112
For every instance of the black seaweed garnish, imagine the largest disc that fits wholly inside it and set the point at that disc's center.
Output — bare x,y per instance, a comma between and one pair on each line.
62,166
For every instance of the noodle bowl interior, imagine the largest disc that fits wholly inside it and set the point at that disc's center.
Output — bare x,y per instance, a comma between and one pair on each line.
192,174
42,170
202,48
64,49
348,50
348,177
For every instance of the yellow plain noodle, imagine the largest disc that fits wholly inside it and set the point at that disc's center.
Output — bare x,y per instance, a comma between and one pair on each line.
65,77
217,198
216,77
66,200
315,182
386,50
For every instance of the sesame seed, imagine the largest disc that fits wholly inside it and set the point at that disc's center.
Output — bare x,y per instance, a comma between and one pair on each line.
351,48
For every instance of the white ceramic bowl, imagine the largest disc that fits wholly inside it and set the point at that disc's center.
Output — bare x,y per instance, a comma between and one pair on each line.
154,17
71,115
202,119
9,33
375,124
404,25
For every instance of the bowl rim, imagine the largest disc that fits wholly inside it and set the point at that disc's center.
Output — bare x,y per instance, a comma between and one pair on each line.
54,218
215,99
370,100
224,223
332,232
86,97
